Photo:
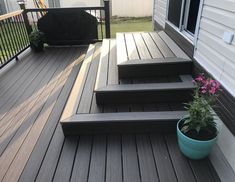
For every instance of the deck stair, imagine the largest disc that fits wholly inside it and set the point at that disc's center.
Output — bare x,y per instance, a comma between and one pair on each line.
136,83
150,54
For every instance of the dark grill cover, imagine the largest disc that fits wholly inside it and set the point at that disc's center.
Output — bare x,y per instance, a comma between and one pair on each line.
68,27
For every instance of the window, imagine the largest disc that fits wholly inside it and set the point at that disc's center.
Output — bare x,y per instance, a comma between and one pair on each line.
183,14
174,11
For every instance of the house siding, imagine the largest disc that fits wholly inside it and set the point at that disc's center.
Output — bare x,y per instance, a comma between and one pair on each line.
160,9
218,58
211,51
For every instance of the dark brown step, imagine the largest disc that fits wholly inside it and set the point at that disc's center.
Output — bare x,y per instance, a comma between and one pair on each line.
154,67
145,93
132,122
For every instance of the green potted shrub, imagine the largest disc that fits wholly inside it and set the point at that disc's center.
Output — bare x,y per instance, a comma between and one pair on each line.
197,132
37,40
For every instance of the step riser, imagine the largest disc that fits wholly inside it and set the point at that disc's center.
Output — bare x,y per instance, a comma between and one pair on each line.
136,71
111,128
152,70
144,97
122,122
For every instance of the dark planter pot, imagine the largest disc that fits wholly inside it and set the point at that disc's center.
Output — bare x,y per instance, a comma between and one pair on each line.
191,148
38,48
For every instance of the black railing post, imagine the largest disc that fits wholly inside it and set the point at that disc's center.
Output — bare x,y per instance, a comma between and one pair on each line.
25,17
107,18
26,21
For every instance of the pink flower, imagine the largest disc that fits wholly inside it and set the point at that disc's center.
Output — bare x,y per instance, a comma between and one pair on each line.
205,85
212,90
203,91
200,78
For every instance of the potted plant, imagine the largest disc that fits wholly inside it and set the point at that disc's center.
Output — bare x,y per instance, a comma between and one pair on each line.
197,131
37,40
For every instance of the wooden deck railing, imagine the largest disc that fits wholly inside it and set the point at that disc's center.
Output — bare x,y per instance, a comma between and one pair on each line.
13,36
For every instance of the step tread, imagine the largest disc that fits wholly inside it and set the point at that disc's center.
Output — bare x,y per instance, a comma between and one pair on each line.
147,87
154,61
79,84
146,45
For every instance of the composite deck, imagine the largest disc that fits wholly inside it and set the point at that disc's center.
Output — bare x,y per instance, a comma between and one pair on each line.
34,93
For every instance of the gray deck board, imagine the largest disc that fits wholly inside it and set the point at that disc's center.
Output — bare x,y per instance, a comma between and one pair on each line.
131,46
153,49
82,159
49,162
86,99
141,46
64,167
180,163
121,48
102,75
35,149
114,156
164,166
162,46
148,169
131,170
9,78
113,70
98,160
94,107
201,170
173,46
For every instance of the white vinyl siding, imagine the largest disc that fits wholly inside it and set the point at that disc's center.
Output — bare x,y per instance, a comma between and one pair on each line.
160,12
211,51
218,58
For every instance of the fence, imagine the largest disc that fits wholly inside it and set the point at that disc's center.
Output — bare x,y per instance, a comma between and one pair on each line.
13,36
132,8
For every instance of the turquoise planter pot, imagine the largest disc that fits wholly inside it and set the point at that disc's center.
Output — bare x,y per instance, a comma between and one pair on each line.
194,149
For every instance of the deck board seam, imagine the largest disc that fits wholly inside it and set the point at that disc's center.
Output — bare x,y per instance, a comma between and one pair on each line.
167,45
155,163
138,159
147,47
170,157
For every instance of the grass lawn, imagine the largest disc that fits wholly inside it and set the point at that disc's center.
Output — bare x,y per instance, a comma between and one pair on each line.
131,24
